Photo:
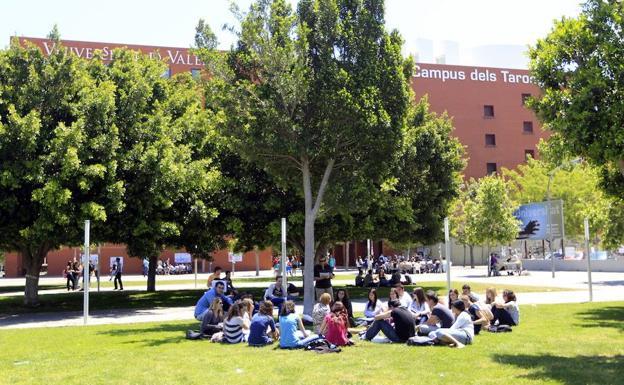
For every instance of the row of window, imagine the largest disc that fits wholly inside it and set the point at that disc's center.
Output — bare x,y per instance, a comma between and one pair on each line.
488,109
490,139
492,167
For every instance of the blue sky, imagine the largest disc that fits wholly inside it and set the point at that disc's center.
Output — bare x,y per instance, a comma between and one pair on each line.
469,23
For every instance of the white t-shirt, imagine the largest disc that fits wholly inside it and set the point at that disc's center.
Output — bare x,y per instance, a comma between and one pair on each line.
406,300
417,308
370,313
513,310
464,322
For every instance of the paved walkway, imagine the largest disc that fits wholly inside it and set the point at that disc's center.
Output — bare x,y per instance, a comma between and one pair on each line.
607,287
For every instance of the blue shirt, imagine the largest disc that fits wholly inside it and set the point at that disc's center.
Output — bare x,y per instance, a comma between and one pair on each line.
206,300
258,328
288,330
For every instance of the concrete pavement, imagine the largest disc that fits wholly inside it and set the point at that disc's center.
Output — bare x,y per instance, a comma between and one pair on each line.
607,287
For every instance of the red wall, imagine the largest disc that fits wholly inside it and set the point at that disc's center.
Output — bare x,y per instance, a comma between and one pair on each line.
463,100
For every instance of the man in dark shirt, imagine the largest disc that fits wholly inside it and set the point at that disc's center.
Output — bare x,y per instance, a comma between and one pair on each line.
441,316
403,327
323,274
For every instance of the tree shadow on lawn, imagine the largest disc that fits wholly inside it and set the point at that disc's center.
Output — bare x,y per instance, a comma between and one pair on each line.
152,335
578,370
609,317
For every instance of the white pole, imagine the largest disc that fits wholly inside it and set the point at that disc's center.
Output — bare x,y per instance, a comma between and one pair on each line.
195,273
284,259
589,270
97,268
447,243
85,271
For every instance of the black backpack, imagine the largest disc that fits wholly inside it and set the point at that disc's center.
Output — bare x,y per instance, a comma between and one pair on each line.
322,346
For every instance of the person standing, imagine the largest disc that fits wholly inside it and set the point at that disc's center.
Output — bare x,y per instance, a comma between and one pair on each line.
118,270
216,275
145,267
323,273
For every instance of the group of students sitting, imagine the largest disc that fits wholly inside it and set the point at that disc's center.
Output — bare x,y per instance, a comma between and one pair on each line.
419,317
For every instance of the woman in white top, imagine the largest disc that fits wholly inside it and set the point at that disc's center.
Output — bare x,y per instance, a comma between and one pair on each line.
460,333
373,307
507,312
419,306
320,310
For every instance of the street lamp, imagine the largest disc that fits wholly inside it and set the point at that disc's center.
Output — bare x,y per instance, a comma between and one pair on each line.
551,174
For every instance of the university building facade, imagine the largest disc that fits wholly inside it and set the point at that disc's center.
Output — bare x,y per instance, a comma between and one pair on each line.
487,106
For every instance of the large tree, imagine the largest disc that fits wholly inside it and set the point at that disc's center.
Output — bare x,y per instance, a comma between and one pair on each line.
319,98
58,149
167,142
578,65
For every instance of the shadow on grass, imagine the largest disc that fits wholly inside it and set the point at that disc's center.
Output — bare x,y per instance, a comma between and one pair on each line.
152,336
578,370
20,288
604,317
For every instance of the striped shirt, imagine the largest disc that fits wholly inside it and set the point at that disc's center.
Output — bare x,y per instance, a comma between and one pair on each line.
233,330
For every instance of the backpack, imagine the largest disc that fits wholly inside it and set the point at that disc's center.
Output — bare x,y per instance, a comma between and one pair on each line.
321,346
420,341
499,329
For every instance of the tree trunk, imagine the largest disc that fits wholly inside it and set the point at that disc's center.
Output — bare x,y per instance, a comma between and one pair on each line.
472,256
33,268
489,260
151,274
312,207
257,256
464,256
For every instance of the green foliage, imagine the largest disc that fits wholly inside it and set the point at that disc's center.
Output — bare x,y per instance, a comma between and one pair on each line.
57,154
578,65
577,186
489,214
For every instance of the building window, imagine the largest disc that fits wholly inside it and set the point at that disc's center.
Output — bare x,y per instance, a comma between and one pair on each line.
529,153
527,127
166,74
488,111
525,99
196,73
490,140
491,168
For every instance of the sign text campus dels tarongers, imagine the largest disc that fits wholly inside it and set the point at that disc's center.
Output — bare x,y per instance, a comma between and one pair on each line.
170,56
476,74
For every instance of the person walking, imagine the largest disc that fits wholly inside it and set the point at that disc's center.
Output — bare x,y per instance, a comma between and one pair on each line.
118,270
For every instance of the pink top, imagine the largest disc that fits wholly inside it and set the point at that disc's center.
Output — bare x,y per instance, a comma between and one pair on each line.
336,331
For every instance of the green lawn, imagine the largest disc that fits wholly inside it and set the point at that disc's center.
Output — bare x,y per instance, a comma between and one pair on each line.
135,299
555,344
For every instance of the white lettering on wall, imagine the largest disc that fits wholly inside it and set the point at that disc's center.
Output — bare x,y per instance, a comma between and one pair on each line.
475,75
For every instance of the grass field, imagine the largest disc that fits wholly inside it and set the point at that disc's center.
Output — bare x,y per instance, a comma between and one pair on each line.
134,299
555,344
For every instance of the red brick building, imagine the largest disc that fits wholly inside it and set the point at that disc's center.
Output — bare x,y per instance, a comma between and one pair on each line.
486,104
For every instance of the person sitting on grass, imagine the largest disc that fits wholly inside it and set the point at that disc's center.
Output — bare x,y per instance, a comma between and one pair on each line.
369,280
506,312
441,316
335,325
453,296
343,296
320,310
404,298
216,275
292,332
461,333
480,316
236,327
206,300
212,319
419,306
261,323
402,329
372,308
466,291
395,278
359,279
383,279
276,292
